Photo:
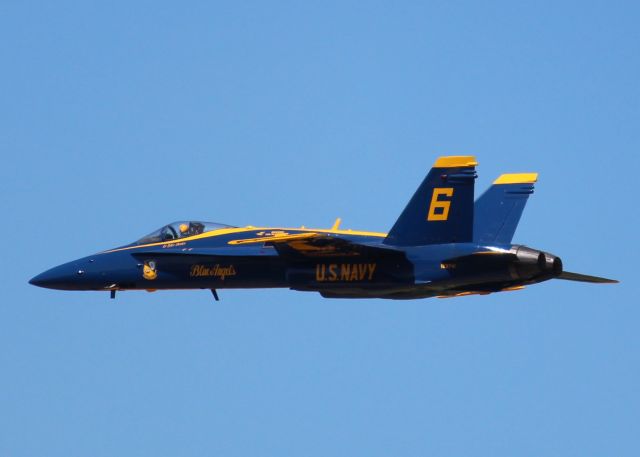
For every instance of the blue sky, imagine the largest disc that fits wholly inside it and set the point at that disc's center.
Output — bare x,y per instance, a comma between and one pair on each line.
118,117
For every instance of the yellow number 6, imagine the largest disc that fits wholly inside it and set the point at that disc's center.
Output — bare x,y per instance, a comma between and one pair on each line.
438,204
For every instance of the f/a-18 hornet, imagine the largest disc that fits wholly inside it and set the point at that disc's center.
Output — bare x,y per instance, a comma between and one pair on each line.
443,245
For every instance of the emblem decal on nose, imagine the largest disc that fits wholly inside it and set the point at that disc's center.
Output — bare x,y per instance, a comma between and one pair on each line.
149,270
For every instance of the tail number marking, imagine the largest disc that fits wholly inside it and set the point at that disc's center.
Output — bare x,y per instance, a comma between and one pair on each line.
439,209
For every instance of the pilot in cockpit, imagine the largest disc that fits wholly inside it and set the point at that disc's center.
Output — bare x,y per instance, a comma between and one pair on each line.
190,229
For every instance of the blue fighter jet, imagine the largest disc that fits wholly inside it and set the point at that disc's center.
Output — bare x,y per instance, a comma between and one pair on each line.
443,245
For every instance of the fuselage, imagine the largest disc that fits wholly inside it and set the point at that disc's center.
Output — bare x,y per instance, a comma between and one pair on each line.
245,257
443,244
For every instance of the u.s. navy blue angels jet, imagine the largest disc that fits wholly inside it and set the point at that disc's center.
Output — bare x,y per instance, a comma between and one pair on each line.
443,245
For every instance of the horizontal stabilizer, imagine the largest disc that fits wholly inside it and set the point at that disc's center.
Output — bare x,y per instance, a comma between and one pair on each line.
585,278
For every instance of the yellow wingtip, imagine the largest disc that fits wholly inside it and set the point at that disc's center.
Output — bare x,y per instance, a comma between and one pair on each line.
336,224
517,178
455,161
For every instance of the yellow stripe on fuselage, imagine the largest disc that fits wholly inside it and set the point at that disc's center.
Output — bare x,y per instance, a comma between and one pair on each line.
272,238
249,228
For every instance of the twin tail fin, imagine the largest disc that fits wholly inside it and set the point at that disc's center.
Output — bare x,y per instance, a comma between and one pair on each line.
498,210
441,210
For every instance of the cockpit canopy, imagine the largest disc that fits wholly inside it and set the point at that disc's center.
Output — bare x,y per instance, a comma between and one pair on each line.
180,229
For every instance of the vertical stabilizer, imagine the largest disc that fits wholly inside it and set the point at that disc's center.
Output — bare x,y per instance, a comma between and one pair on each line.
498,210
441,210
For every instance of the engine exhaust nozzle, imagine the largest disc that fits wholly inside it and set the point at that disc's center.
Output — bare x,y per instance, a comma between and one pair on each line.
531,263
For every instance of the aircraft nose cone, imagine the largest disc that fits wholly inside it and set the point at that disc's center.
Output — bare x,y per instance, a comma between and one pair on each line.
61,277
38,280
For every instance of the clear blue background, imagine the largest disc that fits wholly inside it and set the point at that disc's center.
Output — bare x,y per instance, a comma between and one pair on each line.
117,117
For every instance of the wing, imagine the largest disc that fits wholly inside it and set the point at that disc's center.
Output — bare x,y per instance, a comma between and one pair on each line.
298,245
313,244
279,238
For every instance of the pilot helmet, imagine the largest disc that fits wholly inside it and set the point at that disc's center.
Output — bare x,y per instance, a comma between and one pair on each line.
183,228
